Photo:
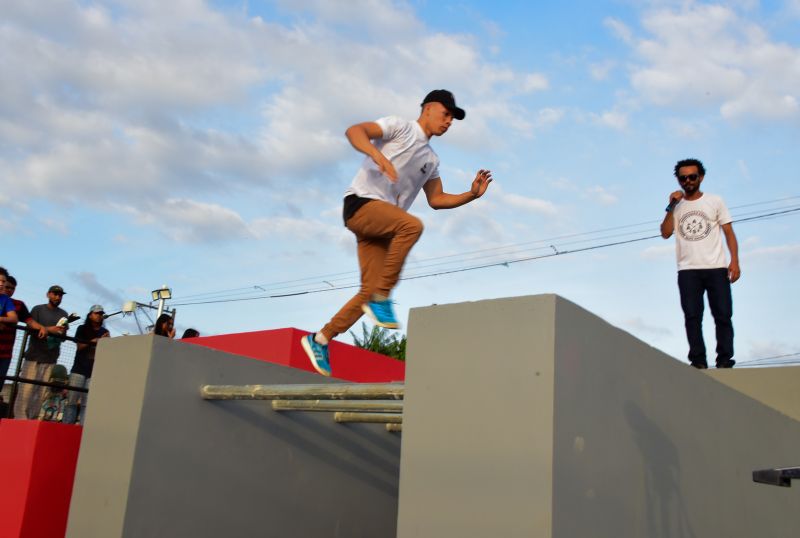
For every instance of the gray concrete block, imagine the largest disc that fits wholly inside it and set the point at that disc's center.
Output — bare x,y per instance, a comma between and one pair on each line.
157,460
532,417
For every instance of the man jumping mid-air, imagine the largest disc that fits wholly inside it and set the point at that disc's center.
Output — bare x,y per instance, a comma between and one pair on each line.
399,163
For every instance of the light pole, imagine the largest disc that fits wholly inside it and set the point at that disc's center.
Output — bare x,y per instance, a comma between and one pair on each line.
161,295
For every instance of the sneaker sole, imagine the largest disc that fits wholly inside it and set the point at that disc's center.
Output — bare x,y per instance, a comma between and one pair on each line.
312,357
368,311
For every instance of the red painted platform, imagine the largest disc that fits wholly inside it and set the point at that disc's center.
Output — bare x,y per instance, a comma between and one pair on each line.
282,346
37,466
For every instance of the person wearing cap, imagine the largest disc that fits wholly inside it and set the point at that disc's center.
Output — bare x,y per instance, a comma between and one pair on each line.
399,163
48,321
88,336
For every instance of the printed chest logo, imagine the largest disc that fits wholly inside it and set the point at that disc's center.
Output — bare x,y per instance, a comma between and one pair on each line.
694,226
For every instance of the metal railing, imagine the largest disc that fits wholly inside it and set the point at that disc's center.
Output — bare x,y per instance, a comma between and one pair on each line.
377,403
66,355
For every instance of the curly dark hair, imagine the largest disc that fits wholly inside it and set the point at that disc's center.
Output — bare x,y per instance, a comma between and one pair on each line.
691,162
160,322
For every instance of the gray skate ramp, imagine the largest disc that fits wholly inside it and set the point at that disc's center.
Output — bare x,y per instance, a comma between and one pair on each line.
156,460
778,388
531,417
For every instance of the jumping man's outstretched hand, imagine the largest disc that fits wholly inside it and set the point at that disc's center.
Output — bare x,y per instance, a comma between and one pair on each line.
481,183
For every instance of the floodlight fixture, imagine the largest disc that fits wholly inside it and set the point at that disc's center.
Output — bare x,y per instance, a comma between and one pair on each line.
161,294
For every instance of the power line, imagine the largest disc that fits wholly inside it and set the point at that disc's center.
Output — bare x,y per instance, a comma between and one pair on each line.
775,359
415,265
506,262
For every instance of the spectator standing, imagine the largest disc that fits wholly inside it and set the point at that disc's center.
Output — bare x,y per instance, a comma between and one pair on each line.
702,221
190,333
8,335
42,353
165,326
88,334
8,324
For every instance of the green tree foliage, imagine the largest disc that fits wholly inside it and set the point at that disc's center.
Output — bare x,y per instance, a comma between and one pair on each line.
381,341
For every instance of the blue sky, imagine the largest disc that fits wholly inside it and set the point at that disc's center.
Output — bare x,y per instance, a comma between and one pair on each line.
200,145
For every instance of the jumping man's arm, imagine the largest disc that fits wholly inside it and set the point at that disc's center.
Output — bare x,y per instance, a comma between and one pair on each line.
438,199
360,136
733,247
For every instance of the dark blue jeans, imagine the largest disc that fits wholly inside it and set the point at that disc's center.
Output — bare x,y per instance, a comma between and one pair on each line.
693,283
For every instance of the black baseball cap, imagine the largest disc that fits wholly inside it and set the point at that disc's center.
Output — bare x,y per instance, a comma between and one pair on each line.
56,289
446,98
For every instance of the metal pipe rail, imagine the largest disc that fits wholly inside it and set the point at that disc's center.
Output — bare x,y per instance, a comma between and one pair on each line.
348,391
373,418
777,477
341,405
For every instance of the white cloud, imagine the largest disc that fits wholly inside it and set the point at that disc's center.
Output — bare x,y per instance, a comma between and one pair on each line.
639,325
125,104
524,203
685,128
601,70
601,195
660,252
619,29
190,221
471,226
535,82
788,254
613,119
704,55
547,117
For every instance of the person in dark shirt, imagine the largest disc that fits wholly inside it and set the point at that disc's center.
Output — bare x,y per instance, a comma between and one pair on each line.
49,323
8,324
88,335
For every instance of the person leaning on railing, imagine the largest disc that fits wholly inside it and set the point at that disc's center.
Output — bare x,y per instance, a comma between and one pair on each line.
42,353
8,322
87,337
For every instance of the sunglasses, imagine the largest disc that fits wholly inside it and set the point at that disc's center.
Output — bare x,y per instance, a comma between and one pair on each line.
689,177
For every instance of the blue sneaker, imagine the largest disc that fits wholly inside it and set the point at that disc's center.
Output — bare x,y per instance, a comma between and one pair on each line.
381,313
317,353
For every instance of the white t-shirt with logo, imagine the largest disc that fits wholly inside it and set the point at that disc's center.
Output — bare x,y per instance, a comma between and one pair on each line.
405,144
698,233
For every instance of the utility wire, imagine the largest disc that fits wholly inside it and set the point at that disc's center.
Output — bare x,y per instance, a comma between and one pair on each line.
335,279
507,262
775,359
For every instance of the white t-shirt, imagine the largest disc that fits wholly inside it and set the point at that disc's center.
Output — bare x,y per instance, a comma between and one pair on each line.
698,234
405,144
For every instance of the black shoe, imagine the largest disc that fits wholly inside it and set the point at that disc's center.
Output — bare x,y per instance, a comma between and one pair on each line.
726,364
699,366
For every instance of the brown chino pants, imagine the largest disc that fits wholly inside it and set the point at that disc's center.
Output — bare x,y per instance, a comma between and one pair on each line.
385,234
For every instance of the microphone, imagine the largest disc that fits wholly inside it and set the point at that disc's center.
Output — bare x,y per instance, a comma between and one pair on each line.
672,204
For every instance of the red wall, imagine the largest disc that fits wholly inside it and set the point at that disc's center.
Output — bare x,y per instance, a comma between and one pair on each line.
37,468
38,459
282,346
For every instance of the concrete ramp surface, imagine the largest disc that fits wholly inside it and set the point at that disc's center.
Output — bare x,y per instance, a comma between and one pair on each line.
531,417
156,460
523,417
